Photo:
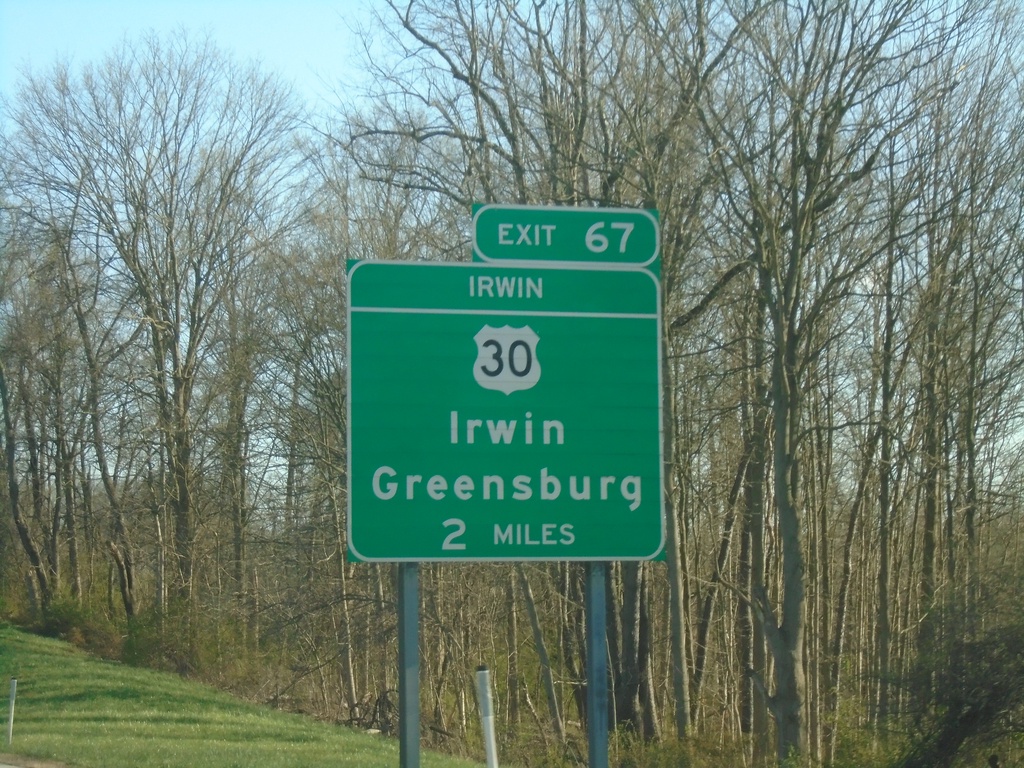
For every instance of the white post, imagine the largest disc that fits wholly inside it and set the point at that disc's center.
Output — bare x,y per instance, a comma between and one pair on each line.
483,691
10,711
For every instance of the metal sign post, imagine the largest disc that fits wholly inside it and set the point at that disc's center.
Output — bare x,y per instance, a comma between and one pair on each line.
408,665
597,666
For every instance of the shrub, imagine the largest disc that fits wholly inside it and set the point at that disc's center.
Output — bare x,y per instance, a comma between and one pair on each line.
77,624
976,693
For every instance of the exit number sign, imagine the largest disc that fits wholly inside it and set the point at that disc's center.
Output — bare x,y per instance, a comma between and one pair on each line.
596,236
504,412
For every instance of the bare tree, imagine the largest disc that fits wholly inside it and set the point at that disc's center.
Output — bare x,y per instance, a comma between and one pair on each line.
798,124
169,164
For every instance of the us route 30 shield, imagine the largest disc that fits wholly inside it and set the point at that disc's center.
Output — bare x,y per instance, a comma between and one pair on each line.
506,358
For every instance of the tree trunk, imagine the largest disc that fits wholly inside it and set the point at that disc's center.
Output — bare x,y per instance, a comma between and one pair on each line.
883,622
711,596
628,669
542,653
786,638
35,559
676,551
512,717
754,702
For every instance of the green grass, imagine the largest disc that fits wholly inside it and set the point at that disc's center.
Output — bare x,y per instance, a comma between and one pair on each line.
94,714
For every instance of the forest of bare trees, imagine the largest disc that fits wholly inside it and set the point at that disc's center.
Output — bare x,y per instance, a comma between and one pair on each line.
840,188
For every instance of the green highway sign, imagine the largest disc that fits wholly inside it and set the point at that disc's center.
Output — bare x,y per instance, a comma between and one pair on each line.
605,236
503,413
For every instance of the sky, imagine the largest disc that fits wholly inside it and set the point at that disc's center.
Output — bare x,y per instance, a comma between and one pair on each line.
307,42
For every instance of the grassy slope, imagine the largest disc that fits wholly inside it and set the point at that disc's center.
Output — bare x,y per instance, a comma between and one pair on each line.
94,714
